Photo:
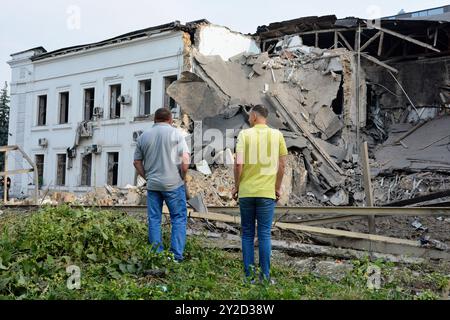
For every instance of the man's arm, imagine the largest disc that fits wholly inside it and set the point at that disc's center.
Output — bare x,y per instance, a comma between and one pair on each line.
139,165
280,175
185,163
238,167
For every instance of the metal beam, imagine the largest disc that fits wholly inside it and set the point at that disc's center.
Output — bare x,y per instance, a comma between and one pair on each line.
349,47
407,38
375,37
376,61
347,211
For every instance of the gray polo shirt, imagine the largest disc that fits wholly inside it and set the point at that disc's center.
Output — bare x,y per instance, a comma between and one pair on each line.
161,150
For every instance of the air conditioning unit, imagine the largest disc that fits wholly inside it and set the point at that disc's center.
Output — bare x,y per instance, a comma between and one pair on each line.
43,143
71,153
125,99
86,130
137,134
98,112
95,149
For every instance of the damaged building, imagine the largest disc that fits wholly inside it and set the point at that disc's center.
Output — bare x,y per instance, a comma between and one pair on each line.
78,111
330,84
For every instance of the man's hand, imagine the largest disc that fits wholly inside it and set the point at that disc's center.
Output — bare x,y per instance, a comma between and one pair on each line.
235,193
278,194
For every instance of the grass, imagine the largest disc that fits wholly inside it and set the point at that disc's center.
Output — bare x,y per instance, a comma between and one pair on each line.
112,252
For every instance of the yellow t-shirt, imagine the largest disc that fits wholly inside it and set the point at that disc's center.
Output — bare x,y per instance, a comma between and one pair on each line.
260,149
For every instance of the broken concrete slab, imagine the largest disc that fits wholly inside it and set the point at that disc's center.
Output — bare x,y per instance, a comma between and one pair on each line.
427,149
196,97
327,122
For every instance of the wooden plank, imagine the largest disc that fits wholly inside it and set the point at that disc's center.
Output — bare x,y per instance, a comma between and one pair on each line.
349,211
230,241
8,148
323,221
375,37
14,172
336,42
35,171
376,61
316,40
406,38
368,185
349,47
383,247
288,226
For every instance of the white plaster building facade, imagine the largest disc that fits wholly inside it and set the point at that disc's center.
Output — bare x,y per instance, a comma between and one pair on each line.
52,93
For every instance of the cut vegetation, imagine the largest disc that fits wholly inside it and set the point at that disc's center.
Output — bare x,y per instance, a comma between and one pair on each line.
116,262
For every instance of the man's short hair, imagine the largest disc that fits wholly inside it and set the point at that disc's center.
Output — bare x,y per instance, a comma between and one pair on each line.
261,110
163,115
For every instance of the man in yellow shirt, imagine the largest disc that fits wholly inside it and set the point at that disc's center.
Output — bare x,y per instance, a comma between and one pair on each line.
260,164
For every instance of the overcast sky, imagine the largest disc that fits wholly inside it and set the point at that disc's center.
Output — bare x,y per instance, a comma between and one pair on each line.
60,23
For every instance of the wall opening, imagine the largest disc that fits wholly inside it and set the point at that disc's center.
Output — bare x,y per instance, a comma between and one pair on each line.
39,160
338,103
168,101
86,170
145,97
63,107
113,168
42,110
114,104
89,103
61,169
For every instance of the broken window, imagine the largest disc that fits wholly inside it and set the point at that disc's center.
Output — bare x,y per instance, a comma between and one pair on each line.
113,168
89,102
42,110
114,104
86,170
61,170
168,101
64,107
145,97
39,160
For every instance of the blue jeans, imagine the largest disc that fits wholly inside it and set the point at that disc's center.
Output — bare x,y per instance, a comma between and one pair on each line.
259,210
176,202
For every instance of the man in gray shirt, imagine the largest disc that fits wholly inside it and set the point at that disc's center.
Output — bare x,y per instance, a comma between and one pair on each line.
162,157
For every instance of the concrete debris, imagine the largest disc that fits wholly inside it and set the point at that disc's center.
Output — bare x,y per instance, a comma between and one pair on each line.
334,270
340,198
203,167
428,148
419,226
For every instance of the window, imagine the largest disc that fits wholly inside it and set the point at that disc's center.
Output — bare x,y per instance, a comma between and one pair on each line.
436,11
61,170
63,107
86,170
89,102
113,168
42,110
145,97
39,160
114,104
168,101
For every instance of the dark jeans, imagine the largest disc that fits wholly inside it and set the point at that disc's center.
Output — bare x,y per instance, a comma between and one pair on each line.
176,202
260,210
